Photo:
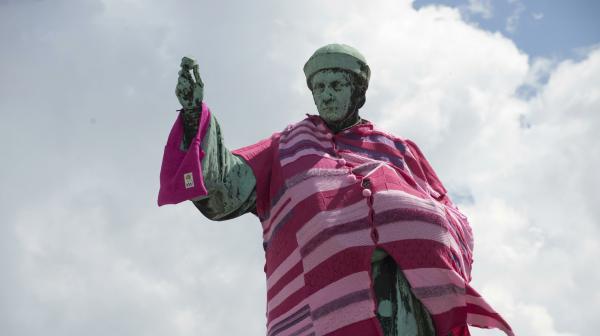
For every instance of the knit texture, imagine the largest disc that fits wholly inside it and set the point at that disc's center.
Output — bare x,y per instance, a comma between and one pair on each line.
326,201
181,171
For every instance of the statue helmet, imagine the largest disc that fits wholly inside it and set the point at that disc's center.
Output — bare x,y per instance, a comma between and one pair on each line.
338,56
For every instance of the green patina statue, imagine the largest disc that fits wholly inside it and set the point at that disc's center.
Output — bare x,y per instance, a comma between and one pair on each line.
338,88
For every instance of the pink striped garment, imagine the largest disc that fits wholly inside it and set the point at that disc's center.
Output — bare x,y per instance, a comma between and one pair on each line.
326,201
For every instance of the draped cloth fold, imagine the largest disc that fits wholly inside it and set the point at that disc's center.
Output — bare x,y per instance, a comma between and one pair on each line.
181,171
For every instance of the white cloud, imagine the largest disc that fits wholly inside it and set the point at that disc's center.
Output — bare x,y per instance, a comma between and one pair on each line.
512,22
537,16
86,251
481,7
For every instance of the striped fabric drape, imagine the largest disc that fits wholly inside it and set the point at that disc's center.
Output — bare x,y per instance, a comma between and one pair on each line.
326,201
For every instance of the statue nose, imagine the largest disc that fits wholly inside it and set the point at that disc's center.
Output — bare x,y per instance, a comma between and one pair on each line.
327,95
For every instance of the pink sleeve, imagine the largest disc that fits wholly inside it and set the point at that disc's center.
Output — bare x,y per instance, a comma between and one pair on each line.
181,171
259,157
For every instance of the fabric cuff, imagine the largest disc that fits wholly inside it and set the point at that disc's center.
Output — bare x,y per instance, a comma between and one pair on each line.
181,171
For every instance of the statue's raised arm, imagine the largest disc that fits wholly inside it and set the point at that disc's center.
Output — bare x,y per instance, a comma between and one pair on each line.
204,171
190,93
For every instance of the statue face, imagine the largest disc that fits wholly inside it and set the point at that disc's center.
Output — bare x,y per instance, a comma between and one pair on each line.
332,93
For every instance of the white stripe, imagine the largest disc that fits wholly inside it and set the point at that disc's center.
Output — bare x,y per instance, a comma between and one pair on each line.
487,321
286,315
479,301
336,244
443,303
380,139
303,136
345,316
301,191
305,152
355,158
289,289
289,262
396,199
429,277
300,128
331,218
298,326
405,230
341,287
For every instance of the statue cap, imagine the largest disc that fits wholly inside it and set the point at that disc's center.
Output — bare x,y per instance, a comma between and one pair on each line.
337,56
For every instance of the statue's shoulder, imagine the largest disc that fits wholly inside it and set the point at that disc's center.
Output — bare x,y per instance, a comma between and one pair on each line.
374,134
311,122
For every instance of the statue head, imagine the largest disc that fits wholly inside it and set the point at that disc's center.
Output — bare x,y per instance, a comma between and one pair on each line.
338,76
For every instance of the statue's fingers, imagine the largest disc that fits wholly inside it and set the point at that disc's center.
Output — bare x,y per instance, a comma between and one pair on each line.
185,82
187,63
197,76
186,75
198,95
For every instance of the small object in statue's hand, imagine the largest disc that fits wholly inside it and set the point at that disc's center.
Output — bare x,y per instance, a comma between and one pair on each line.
190,93
188,63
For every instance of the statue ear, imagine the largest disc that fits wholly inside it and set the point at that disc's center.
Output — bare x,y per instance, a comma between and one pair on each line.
358,91
361,101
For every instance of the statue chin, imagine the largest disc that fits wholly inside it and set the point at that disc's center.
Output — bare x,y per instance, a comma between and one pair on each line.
331,121
331,116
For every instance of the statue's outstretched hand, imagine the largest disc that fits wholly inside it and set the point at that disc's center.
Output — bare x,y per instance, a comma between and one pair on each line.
189,92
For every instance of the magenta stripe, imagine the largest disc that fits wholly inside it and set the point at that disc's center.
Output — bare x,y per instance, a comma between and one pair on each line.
410,214
396,199
306,128
292,287
305,136
333,231
406,230
290,315
350,314
292,260
341,302
331,218
306,174
479,301
306,152
442,304
268,225
487,321
422,277
378,155
298,318
344,286
336,245
359,159
304,190
378,140
304,328
304,144
441,290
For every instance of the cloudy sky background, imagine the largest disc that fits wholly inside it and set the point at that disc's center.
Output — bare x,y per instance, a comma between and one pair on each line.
503,97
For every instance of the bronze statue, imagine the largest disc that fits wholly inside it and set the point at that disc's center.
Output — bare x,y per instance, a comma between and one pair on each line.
360,236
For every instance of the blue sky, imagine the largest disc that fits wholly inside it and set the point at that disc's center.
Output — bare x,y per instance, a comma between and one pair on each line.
542,28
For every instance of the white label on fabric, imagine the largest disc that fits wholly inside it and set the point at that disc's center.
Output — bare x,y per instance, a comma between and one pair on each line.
189,180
